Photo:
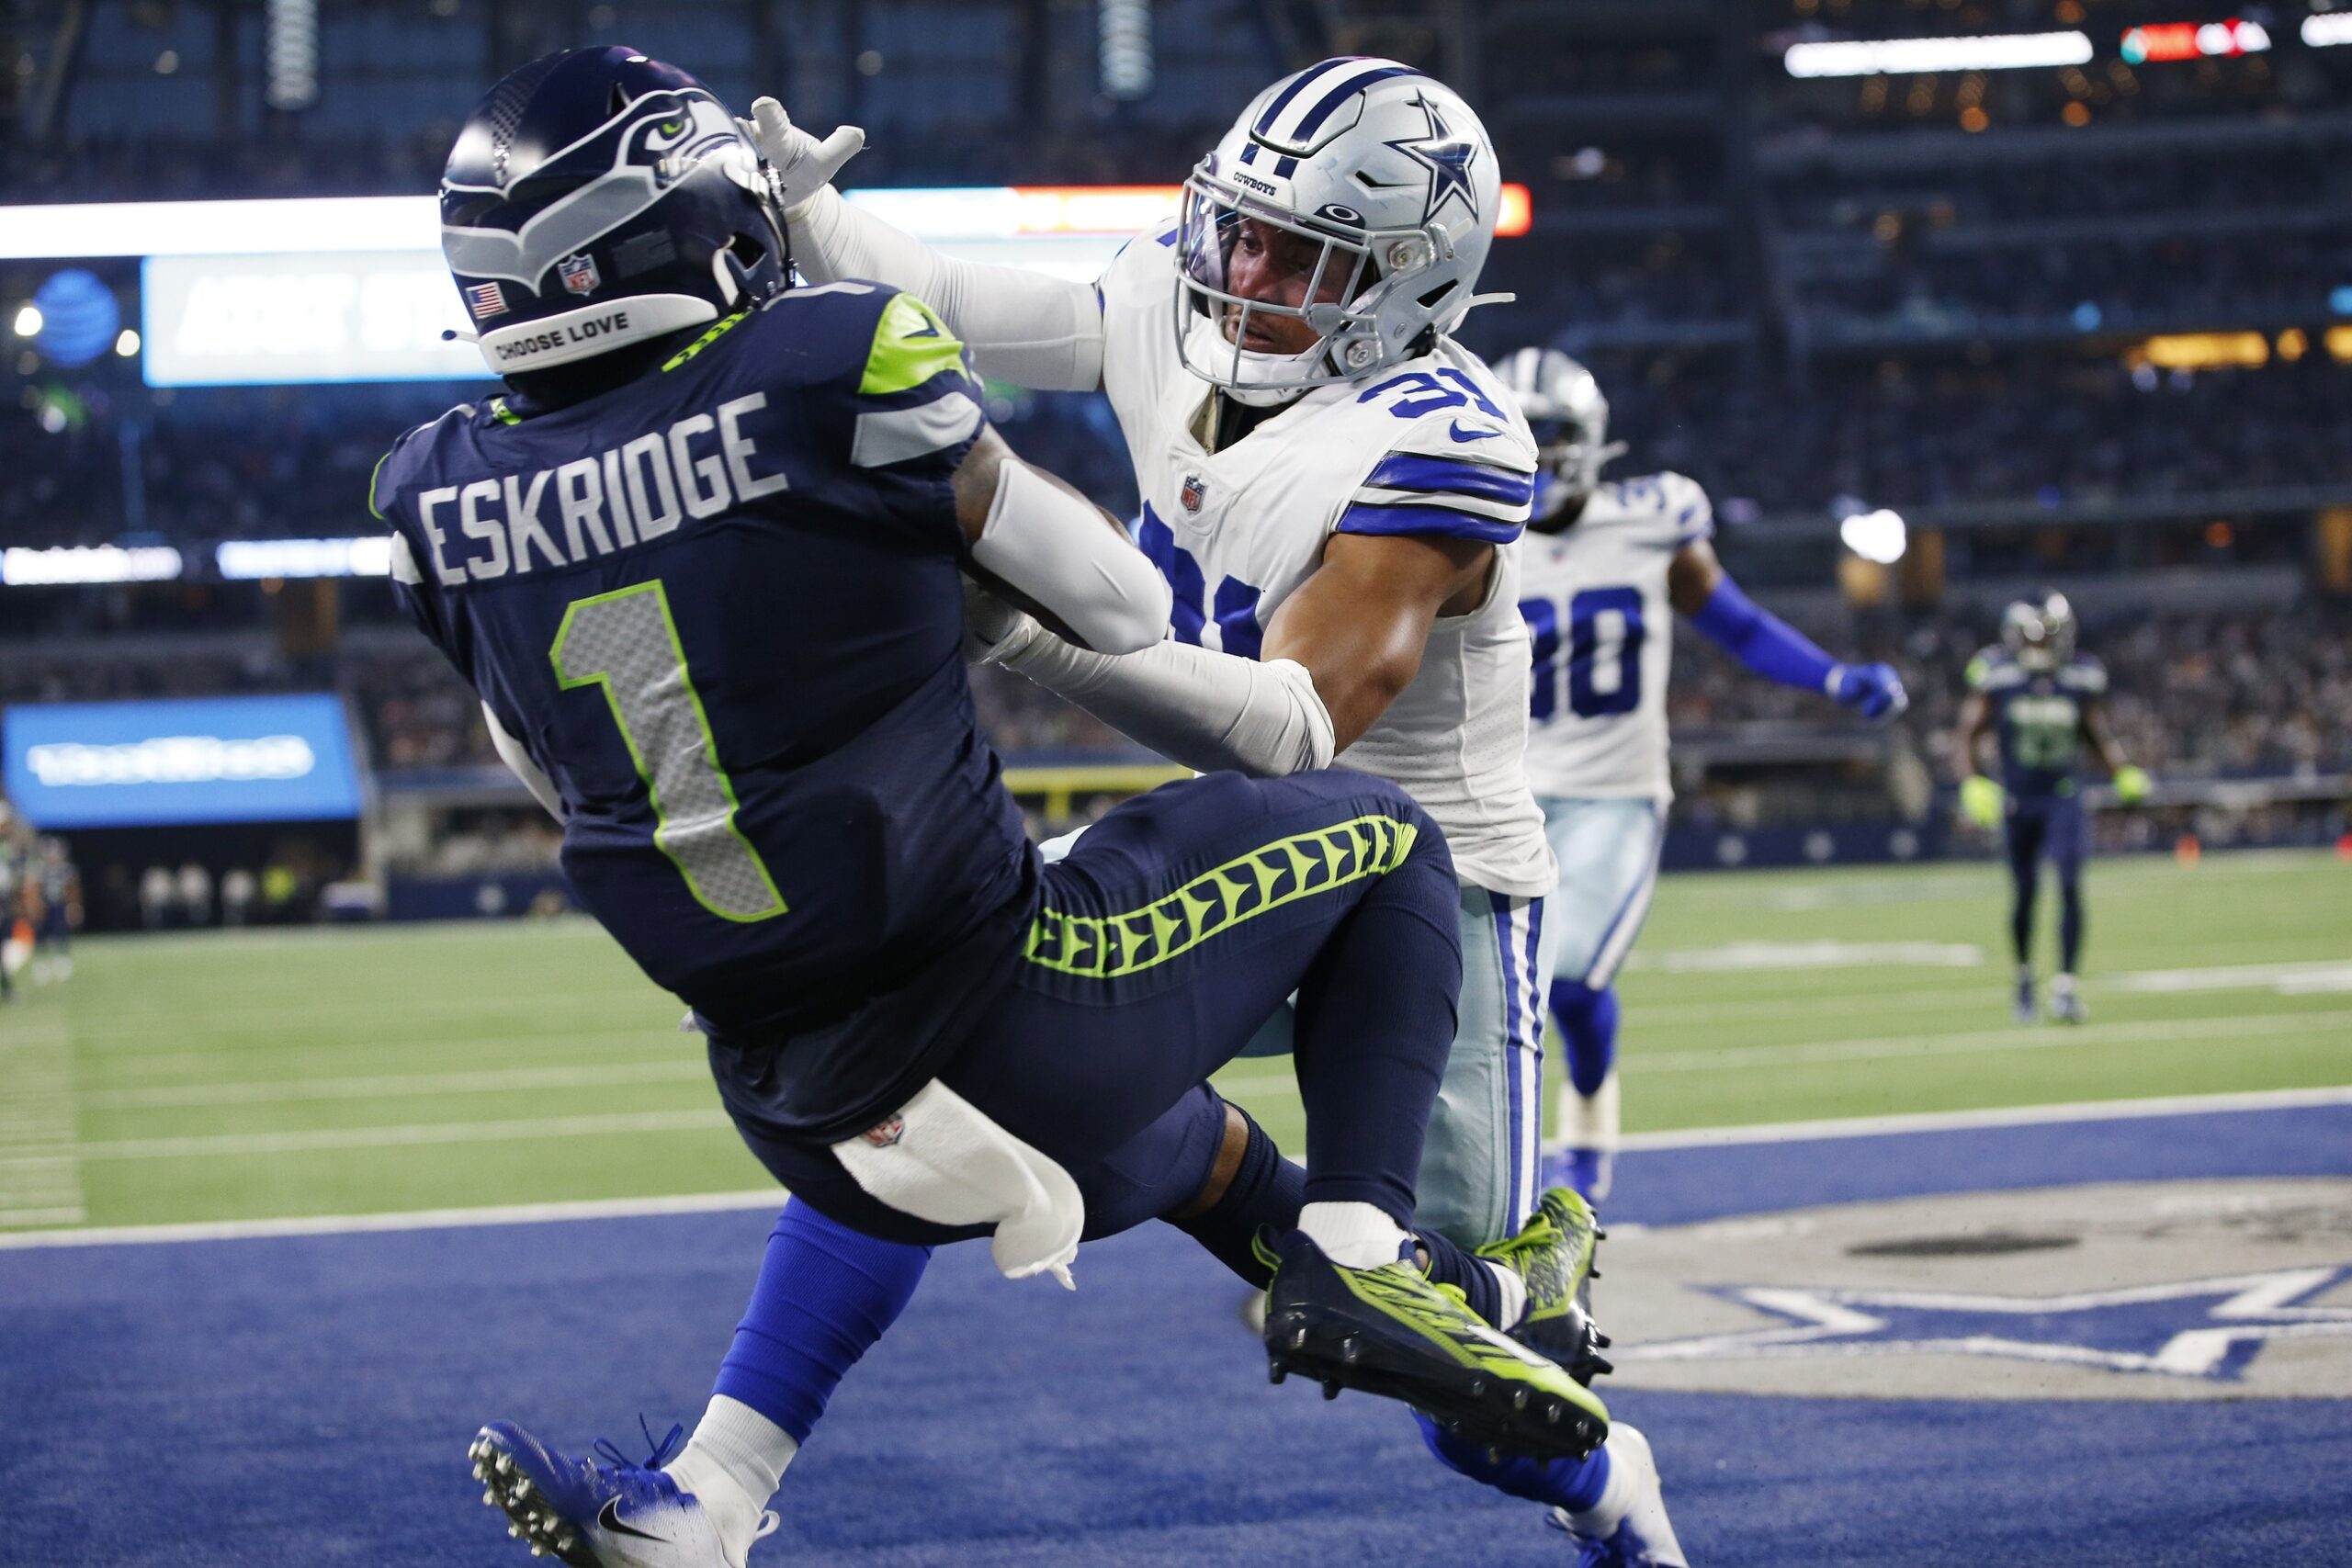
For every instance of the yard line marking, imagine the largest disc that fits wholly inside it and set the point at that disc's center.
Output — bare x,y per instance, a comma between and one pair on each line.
212,1146
2234,1026
39,1173
1994,1116
2308,978
411,1220
485,1081
1740,956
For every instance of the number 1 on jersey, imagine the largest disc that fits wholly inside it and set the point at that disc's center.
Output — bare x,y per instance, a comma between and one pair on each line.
627,642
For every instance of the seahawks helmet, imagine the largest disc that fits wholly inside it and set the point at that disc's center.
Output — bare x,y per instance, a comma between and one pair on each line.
597,200
1570,419
2039,632
1383,187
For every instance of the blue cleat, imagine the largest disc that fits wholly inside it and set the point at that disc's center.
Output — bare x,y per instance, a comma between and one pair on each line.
591,1514
1587,1172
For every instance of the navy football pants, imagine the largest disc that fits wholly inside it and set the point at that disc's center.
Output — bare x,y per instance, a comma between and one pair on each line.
1176,926
2051,828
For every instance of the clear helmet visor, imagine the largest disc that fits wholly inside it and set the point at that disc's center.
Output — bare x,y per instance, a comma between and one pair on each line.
1263,298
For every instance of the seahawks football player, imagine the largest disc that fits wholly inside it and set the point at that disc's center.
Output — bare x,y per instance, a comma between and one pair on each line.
703,560
2044,702
1612,564
1334,488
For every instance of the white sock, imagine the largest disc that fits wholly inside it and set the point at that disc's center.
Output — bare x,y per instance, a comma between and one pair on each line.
1514,1296
1353,1235
2064,984
733,1464
1618,1496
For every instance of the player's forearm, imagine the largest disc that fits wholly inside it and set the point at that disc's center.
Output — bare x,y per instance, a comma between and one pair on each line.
1765,643
1209,711
1021,326
1062,554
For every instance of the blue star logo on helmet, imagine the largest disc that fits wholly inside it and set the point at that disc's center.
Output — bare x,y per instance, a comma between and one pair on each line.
1447,156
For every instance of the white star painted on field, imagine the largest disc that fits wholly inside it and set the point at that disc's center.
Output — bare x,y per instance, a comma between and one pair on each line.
2163,1329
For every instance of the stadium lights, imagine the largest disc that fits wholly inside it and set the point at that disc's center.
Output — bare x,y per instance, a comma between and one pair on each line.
1925,56
1878,536
126,343
27,321
2193,41
245,561
2325,29
348,224
25,567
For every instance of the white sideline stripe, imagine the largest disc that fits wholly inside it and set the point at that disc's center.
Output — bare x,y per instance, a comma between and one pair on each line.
1741,956
1996,1116
718,1203
2234,1026
212,1145
414,1219
486,1081
2288,979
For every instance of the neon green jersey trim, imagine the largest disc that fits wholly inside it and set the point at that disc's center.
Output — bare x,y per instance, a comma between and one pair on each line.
503,414
373,475
711,335
1105,947
912,344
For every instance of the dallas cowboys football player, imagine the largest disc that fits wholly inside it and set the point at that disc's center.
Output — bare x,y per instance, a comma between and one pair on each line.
1599,588
701,561
1333,488
2045,701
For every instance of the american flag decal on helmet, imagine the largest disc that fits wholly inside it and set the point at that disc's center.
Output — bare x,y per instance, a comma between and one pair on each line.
486,299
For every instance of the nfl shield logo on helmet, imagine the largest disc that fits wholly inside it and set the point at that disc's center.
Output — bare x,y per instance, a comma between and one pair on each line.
1192,492
578,273
486,299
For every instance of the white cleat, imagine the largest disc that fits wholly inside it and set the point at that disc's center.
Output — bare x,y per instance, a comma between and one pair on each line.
1628,1527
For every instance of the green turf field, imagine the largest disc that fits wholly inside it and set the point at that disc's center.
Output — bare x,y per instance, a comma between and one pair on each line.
344,1070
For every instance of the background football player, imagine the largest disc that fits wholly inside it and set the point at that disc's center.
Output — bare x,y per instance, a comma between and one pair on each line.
703,562
1601,583
2045,701
55,894
1331,485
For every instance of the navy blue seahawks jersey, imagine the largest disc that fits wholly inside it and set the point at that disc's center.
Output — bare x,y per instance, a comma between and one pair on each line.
719,607
2039,717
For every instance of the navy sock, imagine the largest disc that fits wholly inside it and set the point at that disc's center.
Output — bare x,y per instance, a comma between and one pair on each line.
826,1294
1572,1483
1452,1263
1376,1018
1266,1191
1588,1021
2070,924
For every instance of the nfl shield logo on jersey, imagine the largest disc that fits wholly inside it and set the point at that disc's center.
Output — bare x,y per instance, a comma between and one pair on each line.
578,273
882,1134
1192,491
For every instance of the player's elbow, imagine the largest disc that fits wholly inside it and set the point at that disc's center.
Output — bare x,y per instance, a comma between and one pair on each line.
1132,612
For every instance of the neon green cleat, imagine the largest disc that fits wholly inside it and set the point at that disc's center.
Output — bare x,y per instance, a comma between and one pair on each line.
1389,1331
1553,1254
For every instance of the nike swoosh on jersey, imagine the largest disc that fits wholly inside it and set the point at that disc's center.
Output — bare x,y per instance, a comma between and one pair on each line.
610,1518
1455,429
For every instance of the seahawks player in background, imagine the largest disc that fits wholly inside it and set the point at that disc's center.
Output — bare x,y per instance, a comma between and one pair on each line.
56,898
1600,584
2045,701
702,561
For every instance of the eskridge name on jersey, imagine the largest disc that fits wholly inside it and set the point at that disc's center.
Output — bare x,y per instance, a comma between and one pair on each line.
1432,446
1594,596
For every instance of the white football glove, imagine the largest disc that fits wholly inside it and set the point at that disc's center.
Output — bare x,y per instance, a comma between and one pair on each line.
799,165
993,630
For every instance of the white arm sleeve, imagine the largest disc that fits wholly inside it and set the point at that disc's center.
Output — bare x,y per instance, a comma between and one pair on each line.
1063,554
1022,326
510,751
1206,710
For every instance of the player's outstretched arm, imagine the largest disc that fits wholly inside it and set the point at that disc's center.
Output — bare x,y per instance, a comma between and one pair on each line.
1701,589
1021,326
1057,551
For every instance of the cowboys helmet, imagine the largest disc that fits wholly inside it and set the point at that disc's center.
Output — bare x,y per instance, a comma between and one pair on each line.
1385,186
597,200
1570,419
2039,632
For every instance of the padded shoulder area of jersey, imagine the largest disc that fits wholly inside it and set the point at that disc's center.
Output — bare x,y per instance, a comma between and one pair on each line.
1992,669
1144,270
2084,674
398,467
910,347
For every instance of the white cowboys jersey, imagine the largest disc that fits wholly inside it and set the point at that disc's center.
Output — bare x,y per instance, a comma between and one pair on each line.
1434,446
1602,630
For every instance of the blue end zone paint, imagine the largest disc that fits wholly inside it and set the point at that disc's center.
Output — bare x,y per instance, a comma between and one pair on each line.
307,1400
1684,1186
